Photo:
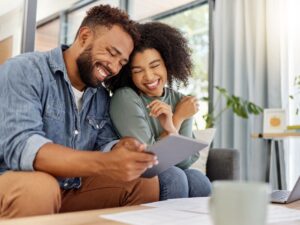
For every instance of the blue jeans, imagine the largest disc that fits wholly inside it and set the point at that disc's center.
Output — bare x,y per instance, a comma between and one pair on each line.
178,183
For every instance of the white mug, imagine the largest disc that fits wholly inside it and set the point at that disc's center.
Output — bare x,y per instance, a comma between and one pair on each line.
239,203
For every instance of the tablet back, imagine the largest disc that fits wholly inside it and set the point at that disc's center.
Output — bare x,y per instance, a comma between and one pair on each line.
171,150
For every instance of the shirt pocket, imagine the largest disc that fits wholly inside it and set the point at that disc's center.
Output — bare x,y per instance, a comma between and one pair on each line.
101,129
96,122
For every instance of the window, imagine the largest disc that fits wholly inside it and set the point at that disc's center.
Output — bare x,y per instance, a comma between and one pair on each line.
194,24
47,36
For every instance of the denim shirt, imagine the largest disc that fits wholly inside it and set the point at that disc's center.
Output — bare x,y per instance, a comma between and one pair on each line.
37,106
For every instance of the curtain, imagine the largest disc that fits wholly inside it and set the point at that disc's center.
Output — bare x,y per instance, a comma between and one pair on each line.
248,37
292,68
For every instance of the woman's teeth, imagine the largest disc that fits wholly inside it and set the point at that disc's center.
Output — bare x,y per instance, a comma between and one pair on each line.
152,85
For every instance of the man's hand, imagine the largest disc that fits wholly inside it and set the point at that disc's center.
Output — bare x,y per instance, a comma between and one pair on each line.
131,144
128,160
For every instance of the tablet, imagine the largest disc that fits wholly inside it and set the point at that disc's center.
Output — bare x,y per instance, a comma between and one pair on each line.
172,150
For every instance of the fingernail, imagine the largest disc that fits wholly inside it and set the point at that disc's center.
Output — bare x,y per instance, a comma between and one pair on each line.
150,166
156,162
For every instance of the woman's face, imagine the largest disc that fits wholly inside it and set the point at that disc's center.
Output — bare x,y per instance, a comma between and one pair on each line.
149,73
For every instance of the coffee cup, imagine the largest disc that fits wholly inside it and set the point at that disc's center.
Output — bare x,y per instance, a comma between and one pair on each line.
239,203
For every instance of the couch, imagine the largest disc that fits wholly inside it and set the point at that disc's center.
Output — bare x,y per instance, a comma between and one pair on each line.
223,164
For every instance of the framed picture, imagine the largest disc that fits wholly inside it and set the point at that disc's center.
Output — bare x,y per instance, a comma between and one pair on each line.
274,121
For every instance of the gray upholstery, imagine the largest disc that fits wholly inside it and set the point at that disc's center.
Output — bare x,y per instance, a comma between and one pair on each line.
223,164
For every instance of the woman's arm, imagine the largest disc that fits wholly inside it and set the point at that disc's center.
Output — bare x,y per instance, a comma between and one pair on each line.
128,116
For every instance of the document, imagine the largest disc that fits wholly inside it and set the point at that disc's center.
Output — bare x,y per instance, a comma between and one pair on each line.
190,211
278,213
195,205
159,215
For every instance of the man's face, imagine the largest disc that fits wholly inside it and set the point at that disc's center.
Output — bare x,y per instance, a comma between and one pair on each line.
104,55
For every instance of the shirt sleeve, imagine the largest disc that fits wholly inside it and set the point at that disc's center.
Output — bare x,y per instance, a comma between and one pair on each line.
128,116
21,126
186,130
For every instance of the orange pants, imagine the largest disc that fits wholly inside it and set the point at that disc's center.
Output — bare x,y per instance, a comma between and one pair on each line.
37,193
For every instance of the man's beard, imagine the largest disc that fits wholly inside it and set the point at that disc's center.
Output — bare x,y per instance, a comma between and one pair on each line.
85,68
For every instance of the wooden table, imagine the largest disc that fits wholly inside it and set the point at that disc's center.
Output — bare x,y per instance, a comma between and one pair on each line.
92,217
277,140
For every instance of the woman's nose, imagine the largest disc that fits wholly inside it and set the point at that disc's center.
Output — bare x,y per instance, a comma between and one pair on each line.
148,75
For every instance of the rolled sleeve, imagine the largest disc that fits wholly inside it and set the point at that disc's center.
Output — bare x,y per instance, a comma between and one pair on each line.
33,144
109,146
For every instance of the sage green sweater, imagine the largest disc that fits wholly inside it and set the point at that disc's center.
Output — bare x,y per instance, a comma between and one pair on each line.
130,117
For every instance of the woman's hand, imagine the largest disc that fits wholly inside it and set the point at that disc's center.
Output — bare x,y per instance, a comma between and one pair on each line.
186,108
163,112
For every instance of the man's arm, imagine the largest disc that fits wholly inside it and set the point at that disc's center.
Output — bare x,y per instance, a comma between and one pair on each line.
126,162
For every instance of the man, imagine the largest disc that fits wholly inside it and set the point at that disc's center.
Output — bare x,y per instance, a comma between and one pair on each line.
54,126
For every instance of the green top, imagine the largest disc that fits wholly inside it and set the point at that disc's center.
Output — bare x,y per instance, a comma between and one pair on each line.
130,116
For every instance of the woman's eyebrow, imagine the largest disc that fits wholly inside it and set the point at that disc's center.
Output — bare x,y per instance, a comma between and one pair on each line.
154,61
135,67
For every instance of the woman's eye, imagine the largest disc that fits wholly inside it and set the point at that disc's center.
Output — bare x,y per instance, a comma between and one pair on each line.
155,65
136,71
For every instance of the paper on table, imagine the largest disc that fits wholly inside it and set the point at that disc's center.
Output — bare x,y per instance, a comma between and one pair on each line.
190,211
159,216
278,213
196,205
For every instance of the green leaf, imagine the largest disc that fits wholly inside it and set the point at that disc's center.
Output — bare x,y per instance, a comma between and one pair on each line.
229,103
221,90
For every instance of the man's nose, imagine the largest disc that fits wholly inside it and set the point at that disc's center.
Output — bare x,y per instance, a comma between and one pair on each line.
114,67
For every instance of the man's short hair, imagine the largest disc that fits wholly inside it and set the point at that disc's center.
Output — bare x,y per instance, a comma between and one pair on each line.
105,15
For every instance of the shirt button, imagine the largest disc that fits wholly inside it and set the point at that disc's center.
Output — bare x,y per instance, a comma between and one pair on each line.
76,132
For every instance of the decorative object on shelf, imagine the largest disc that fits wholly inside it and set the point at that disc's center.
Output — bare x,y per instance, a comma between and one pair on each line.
239,107
274,121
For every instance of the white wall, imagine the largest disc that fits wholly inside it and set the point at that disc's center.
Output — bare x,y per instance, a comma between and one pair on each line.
11,25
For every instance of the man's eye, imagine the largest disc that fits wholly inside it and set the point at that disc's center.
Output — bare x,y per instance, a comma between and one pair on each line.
112,53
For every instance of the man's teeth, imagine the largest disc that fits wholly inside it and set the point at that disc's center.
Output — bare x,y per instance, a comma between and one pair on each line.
101,72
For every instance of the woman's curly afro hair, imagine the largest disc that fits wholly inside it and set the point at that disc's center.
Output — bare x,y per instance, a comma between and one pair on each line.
171,45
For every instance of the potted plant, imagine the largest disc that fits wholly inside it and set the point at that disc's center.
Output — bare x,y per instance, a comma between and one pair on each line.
240,107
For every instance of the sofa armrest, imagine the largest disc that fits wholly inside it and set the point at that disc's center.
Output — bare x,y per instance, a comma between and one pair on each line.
223,164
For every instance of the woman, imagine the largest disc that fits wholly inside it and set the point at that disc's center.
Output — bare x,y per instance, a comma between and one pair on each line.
144,108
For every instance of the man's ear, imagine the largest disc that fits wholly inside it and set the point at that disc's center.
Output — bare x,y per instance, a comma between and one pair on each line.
84,34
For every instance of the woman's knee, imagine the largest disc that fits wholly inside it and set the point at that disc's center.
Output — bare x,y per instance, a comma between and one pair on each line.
29,194
199,184
173,184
